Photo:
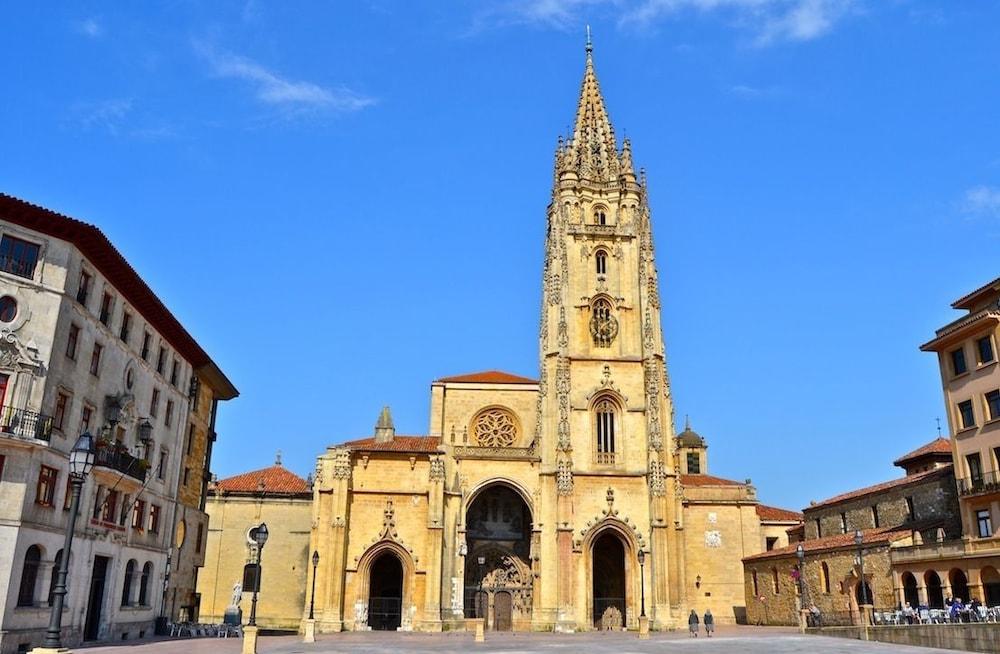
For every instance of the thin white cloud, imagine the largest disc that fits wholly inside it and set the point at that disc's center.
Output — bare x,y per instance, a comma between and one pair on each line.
272,89
768,21
91,28
109,114
982,201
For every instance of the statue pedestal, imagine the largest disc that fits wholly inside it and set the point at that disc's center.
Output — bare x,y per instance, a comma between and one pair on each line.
50,650
309,631
480,631
643,627
249,640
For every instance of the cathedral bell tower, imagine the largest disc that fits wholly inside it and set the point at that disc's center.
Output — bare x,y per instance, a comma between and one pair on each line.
605,416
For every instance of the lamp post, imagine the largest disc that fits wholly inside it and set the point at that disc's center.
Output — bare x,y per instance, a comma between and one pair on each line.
312,597
800,553
643,620
480,602
642,584
259,535
859,539
81,460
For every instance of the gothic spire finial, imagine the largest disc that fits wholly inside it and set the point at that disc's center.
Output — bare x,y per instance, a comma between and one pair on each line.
687,422
590,43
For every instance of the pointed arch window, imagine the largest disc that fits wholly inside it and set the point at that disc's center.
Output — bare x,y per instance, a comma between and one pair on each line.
606,431
601,260
603,324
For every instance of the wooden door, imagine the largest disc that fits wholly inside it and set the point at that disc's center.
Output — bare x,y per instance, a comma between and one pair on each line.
502,611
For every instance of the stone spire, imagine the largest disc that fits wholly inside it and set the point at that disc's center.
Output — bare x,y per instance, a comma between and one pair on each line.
592,152
384,429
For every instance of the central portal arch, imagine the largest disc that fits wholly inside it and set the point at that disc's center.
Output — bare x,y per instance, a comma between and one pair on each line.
385,593
498,574
608,585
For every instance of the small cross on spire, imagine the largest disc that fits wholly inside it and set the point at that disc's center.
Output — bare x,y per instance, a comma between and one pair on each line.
277,458
590,44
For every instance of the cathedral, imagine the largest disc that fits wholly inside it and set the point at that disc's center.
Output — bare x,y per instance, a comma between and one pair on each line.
560,503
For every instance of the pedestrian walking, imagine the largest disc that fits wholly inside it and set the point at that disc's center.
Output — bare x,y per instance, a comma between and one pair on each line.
693,624
709,623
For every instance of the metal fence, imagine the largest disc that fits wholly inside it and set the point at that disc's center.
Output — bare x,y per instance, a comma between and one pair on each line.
25,424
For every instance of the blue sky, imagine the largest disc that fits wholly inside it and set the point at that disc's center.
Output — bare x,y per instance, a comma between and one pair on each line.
345,201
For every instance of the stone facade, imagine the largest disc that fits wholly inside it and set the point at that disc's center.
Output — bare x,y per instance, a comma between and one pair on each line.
236,505
920,507
563,502
86,346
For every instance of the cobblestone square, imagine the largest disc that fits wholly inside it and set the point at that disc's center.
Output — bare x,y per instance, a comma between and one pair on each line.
731,640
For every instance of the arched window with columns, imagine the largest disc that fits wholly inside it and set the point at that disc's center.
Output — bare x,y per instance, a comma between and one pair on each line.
606,431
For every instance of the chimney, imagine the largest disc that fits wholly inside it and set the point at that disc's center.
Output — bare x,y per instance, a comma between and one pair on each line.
384,431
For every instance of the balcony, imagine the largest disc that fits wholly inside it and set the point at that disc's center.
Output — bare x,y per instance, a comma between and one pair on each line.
21,423
115,457
988,482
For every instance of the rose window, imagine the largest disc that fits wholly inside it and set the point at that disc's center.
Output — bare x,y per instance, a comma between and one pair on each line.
495,428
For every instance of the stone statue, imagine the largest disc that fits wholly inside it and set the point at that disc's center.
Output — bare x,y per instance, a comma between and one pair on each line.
237,594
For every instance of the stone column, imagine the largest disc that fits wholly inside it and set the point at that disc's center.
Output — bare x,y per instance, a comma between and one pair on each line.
435,538
922,591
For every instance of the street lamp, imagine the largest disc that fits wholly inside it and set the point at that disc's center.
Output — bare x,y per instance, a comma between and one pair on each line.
260,536
858,540
81,460
481,560
800,552
312,598
642,584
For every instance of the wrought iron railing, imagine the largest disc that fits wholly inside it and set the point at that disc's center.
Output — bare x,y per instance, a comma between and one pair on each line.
385,613
983,483
25,424
117,458
17,266
609,612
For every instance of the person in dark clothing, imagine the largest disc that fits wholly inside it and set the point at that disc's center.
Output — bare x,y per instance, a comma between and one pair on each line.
693,623
709,622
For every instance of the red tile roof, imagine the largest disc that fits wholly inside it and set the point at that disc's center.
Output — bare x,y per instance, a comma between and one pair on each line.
936,448
969,300
879,536
99,251
489,377
884,486
708,480
276,480
775,514
416,444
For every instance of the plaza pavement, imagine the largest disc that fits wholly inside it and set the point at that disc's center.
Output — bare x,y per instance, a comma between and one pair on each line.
728,640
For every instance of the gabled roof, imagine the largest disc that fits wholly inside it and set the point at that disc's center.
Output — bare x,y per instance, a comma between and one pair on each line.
918,478
100,252
708,480
488,377
969,300
275,480
880,536
413,444
774,514
937,448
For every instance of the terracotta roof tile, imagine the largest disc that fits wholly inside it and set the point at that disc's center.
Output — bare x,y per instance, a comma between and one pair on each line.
775,514
969,299
708,480
936,447
489,377
276,480
397,444
879,536
884,486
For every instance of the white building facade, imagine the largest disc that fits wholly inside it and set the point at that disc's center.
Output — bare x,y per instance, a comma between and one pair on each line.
85,345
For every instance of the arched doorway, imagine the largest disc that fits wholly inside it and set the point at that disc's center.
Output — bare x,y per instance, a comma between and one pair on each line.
959,584
385,593
608,582
910,593
991,585
498,574
935,598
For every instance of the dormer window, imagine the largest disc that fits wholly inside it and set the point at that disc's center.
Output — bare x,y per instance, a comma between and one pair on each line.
601,259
